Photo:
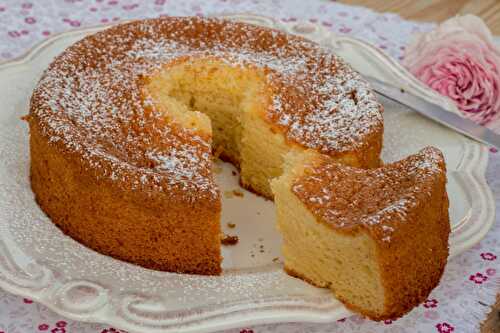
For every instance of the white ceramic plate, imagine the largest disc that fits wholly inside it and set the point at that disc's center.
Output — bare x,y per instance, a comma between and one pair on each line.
39,262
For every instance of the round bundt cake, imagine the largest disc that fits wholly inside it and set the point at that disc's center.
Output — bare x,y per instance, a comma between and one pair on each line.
124,122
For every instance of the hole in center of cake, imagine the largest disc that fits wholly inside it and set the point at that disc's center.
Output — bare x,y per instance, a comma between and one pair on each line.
228,102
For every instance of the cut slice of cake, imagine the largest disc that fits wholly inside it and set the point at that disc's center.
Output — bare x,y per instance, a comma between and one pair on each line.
378,238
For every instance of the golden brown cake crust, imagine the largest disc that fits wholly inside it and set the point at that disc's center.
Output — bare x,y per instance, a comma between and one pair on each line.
403,206
155,230
130,170
348,198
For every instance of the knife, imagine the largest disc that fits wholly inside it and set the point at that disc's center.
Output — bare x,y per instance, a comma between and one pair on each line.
436,113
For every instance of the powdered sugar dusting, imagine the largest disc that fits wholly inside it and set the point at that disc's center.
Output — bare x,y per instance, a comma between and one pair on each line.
91,100
381,198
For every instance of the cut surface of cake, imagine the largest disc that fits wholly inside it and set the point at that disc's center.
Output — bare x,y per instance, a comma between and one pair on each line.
378,238
123,124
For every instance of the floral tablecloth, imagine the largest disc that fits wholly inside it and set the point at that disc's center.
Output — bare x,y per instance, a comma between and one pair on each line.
471,280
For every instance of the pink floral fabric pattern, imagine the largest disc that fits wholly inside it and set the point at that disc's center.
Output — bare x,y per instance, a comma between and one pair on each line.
471,280
24,23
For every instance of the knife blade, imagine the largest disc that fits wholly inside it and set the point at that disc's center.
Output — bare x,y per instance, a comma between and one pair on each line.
436,113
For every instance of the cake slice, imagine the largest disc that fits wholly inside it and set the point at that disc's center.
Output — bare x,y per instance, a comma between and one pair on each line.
378,238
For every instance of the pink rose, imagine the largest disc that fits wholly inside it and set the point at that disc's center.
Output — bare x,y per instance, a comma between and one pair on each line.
458,59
